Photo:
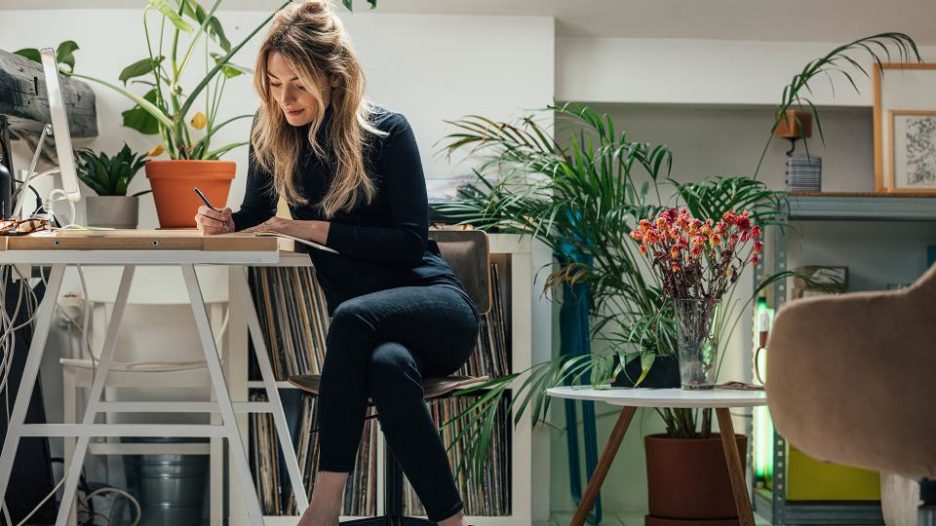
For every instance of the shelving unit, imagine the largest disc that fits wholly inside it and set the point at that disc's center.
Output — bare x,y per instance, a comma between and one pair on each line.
829,207
530,321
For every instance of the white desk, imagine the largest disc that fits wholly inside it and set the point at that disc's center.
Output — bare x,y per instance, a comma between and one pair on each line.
631,399
128,249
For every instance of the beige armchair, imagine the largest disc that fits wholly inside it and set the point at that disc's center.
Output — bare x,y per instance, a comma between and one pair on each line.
852,378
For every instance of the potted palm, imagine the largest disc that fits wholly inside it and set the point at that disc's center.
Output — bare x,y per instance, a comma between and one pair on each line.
109,177
587,195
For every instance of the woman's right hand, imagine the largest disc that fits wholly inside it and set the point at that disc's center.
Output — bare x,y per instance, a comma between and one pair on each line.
210,222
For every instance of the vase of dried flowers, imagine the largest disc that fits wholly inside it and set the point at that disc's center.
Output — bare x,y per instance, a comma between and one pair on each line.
697,262
697,341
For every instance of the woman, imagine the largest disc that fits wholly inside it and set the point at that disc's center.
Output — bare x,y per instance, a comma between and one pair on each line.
352,177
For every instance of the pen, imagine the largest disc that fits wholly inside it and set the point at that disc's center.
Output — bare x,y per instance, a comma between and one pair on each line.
205,199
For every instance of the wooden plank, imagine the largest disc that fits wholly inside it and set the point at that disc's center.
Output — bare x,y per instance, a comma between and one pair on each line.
23,97
139,240
240,242
735,471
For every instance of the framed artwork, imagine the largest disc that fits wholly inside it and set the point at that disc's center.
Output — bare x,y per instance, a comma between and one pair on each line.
904,103
912,151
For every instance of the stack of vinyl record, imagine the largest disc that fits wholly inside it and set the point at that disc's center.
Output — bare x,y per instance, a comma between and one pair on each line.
804,173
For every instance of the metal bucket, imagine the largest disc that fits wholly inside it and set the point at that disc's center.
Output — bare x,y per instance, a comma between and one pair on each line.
170,488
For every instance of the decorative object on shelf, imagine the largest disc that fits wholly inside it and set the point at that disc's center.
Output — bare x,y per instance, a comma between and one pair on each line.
904,110
109,177
698,262
804,173
794,125
913,150
819,280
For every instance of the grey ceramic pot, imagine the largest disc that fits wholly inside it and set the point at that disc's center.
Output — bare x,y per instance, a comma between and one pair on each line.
112,211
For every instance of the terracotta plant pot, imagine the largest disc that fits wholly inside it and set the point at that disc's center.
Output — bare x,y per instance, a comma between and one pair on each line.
174,183
688,481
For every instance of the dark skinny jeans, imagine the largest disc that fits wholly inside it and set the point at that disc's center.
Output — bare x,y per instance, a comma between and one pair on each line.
380,345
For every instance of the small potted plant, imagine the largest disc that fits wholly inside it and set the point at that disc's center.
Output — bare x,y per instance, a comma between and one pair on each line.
109,178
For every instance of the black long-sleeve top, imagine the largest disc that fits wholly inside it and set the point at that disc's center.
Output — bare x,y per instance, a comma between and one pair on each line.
381,245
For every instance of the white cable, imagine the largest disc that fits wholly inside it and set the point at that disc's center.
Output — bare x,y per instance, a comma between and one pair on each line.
30,177
131,498
50,205
32,168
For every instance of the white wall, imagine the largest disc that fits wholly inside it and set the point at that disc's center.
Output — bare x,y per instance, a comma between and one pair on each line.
649,70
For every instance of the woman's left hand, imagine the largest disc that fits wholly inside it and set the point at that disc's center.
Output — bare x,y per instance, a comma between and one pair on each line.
277,225
316,231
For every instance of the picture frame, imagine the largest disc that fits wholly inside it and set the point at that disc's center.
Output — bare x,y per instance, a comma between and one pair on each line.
912,151
902,93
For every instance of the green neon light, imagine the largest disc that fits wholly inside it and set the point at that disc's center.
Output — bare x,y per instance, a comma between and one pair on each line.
762,426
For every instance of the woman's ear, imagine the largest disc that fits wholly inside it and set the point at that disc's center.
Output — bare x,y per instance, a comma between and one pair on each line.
334,81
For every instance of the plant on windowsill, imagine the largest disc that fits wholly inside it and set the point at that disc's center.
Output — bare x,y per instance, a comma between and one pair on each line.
186,121
109,177
584,200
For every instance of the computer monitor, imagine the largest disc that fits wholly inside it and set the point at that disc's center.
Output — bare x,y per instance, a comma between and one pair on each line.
63,144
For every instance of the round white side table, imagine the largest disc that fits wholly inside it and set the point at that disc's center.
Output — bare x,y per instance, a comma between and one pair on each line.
630,399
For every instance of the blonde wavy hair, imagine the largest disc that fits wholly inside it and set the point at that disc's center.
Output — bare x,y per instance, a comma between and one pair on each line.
313,40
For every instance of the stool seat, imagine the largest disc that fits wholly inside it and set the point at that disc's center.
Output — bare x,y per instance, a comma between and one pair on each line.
433,388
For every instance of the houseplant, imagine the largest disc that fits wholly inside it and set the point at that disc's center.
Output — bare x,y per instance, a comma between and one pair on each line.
109,177
185,120
529,184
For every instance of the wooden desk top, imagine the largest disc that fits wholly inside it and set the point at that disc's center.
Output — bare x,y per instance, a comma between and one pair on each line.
138,240
138,247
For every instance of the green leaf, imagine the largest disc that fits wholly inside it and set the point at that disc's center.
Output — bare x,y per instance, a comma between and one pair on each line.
141,120
196,12
139,68
147,105
169,12
30,53
65,53
216,30
230,70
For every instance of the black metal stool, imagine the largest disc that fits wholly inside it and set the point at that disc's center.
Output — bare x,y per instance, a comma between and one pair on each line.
467,252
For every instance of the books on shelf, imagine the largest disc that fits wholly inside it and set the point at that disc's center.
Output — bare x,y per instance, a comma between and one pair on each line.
492,496
291,309
269,470
294,321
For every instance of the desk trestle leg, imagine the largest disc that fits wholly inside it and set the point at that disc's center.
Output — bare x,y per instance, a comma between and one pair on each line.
73,470
239,452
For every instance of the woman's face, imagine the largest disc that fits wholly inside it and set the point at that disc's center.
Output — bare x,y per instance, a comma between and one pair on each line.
298,105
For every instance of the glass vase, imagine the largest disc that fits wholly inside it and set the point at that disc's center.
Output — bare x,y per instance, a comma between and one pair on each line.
697,342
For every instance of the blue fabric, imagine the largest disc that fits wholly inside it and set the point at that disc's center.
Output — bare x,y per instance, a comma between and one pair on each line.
575,340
